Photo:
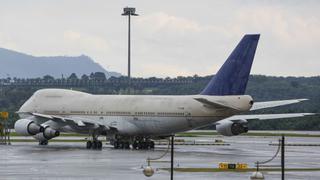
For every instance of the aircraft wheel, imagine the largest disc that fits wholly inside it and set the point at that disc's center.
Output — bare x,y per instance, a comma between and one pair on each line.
144,145
121,144
89,144
126,145
151,145
94,145
99,144
43,143
116,144
134,145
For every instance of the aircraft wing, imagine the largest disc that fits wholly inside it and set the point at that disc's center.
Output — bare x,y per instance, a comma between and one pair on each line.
74,121
269,104
266,116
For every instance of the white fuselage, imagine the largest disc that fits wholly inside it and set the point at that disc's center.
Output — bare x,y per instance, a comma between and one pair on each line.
135,114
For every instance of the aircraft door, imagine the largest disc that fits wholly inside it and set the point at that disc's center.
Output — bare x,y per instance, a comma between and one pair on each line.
189,119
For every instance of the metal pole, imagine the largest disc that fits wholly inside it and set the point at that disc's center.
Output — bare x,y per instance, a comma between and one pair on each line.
172,154
282,157
129,51
9,141
129,39
5,131
129,11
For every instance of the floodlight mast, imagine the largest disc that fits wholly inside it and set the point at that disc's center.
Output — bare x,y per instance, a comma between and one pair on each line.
129,11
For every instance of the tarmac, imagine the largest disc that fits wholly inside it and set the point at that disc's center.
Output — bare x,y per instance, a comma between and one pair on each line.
61,160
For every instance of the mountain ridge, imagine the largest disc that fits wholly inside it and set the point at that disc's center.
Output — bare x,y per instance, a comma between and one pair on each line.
22,65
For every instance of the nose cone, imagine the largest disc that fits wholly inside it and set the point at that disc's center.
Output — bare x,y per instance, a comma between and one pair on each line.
27,106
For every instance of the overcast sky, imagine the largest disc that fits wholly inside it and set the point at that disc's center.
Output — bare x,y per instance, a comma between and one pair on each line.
170,37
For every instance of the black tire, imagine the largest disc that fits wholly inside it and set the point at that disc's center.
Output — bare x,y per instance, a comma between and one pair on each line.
127,145
140,146
134,145
121,145
94,145
144,145
99,145
151,145
116,144
112,142
43,143
89,144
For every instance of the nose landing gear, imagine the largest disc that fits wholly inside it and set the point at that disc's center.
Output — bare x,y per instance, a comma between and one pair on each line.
43,142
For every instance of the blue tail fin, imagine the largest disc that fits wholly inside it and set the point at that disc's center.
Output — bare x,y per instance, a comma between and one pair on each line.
233,76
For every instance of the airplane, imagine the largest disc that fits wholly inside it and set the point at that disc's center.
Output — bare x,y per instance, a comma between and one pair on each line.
134,121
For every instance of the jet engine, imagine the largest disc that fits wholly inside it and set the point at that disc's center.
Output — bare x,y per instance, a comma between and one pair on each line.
27,127
47,134
230,128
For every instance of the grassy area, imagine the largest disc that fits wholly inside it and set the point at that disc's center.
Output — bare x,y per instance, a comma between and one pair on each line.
187,135
208,133
280,134
242,170
62,134
52,140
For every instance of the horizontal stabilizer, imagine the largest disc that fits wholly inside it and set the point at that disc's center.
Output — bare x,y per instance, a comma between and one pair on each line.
216,105
270,104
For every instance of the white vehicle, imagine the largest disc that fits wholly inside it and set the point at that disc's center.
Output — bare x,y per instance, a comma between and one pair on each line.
134,120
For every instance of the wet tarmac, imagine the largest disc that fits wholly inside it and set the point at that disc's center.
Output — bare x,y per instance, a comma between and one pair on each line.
73,161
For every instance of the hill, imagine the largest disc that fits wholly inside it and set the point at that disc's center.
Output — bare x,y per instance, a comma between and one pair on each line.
20,65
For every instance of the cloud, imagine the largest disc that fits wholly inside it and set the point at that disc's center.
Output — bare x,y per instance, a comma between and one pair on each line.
285,26
289,40
6,42
85,42
178,36
180,26
161,20
287,37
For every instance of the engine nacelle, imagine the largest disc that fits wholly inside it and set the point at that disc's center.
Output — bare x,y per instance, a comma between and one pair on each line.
47,134
229,128
27,127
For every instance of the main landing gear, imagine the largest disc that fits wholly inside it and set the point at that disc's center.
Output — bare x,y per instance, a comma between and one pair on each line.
94,143
43,142
137,143
143,143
